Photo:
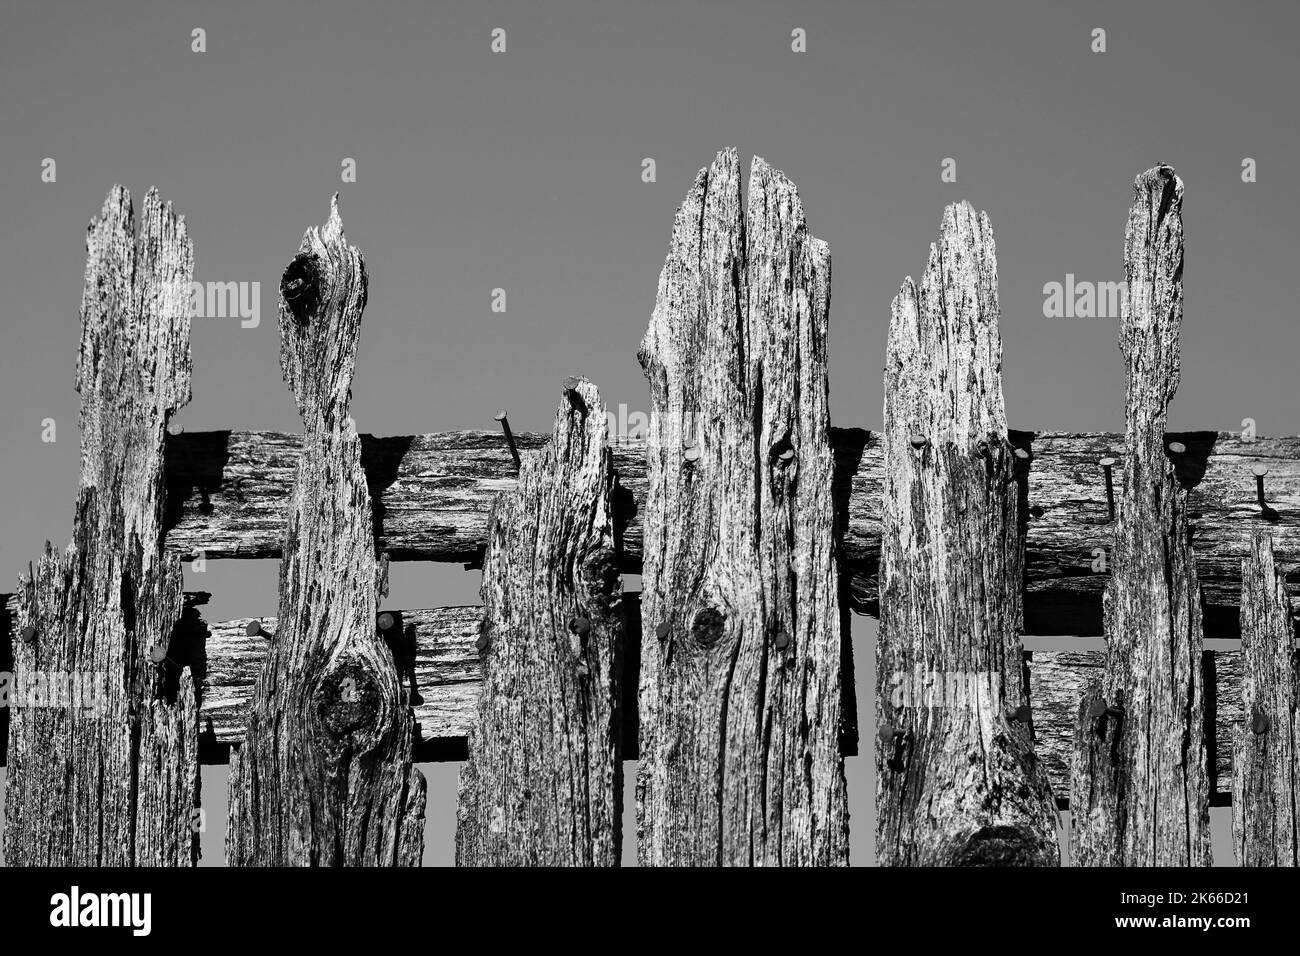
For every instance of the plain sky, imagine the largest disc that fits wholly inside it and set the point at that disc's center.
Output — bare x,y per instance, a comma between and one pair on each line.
522,171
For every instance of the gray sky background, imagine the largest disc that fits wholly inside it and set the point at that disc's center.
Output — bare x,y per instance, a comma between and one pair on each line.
522,171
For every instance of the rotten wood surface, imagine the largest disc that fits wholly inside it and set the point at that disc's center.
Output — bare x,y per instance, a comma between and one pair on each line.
103,763
432,493
436,657
957,779
1265,788
1139,780
741,680
324,774
543,783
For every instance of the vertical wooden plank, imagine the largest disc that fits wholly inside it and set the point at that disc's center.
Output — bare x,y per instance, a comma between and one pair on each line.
958,782
740,695
324,776
1265,788
113,784
543,785
1139,783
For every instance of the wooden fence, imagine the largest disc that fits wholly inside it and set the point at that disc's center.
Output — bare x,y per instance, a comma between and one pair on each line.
757,529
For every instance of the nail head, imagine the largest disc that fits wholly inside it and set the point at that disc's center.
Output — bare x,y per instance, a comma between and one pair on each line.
782,640
918,440
157,653
1097,709
1177,447
29,634
1259,724
692,453
579,625
1021,454
500,416
253,629
1107,462
570,383
663,630
482,643
1259,469
385,621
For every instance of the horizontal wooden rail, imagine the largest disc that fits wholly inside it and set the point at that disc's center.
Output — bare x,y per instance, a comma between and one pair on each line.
435,648
226,493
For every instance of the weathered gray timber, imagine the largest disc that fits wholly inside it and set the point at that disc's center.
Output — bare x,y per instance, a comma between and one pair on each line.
543,785
432,494
1139,783
1265,788
957,780
115,784
324,775
740,697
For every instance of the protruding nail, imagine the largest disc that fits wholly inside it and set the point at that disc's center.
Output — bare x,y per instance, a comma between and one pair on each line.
254,628
1259,722
157,653
787,455
510,436
1022,454
579,626
573,395
1106,465
692,452
385,621
481,644
29,634
1259,469
1177,448
663,630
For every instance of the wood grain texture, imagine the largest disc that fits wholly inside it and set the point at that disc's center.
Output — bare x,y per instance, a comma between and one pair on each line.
543,785
115,785
1139,781
324,775
436,656
432,492
1265,788
957,779
740,689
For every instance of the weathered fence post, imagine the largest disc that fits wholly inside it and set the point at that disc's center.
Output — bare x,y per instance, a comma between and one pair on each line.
1265,788
1139,785
958,782
324,776
740,696
544,782
115,783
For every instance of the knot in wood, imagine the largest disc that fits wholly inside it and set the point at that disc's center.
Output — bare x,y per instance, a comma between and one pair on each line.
707,627
1259,723
300,286
348,699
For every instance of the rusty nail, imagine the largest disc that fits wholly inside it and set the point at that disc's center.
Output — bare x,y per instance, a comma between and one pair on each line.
510,436
385,621
29,634
1177,448
663,630
1106,465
